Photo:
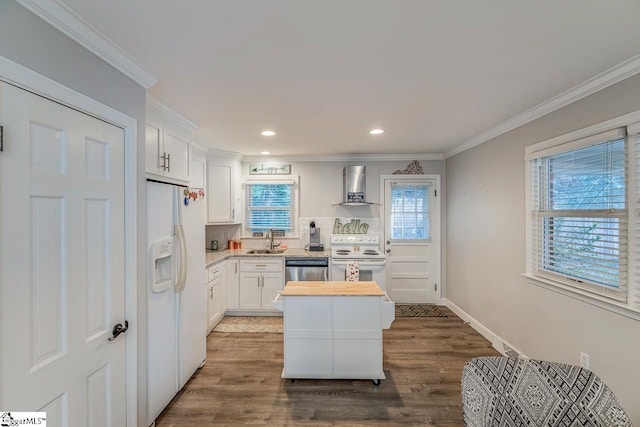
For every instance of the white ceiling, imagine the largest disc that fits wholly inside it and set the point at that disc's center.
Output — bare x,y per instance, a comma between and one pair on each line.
434,74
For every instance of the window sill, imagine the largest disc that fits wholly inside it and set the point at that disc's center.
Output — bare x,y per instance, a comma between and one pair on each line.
613,306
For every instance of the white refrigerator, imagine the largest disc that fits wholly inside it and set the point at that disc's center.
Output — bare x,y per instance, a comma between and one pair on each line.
176,292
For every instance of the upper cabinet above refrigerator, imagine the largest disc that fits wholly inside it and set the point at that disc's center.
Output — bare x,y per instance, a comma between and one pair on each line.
167,147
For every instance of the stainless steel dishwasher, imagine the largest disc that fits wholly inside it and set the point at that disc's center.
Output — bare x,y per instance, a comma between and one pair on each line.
314,269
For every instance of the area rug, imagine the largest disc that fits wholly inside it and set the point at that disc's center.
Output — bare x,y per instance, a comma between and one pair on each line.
249,324
419,310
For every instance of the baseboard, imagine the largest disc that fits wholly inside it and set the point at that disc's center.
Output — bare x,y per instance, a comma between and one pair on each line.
504,347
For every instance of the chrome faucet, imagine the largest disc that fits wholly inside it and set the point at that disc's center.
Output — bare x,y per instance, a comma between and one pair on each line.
272,244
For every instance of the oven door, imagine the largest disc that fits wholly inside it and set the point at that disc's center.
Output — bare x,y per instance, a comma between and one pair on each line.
370,270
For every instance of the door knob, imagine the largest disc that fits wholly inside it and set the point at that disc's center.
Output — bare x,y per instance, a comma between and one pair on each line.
388,250
388,242
119,329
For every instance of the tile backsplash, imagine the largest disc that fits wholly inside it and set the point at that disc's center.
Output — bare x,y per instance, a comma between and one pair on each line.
223,233
326,225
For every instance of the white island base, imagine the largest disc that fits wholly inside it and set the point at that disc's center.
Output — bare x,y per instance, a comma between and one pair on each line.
333,330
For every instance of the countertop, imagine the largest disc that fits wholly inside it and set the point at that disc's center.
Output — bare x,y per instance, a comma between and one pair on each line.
211,257
332,289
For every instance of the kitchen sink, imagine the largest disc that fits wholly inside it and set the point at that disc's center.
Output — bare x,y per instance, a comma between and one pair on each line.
264,251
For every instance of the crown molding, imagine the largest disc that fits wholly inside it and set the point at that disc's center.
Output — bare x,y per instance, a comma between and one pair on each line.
215,153
171,115
61,17
345,158
601,81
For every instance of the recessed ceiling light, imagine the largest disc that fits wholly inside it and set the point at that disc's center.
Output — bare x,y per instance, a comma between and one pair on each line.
265,153
267,133
376,131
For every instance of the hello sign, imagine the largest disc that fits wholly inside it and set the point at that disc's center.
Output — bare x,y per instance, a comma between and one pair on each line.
353,227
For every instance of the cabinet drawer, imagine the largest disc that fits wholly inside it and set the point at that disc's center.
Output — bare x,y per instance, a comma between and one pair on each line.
213,272
261,264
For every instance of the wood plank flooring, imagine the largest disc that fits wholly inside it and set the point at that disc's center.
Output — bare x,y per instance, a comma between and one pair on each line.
240,383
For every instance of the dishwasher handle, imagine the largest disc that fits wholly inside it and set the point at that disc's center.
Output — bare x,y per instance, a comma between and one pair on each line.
306,262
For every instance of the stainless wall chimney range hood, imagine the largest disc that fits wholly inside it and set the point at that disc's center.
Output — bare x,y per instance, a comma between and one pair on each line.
354,186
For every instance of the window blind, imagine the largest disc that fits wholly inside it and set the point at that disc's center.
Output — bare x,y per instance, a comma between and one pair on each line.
410,212
580,218
268,205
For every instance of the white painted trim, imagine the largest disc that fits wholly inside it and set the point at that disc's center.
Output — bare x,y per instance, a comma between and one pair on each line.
533,151
344,158
32,81
601,81
497,341
217,154
616,122
437,178
580,295
167,113
61,17
284,179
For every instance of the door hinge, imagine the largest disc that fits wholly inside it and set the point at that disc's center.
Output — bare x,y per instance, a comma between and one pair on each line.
1,138
435,286
435,193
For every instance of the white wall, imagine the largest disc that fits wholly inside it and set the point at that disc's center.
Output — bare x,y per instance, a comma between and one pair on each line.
486,253
321,188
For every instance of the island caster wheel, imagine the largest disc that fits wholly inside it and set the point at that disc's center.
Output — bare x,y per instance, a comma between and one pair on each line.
376,382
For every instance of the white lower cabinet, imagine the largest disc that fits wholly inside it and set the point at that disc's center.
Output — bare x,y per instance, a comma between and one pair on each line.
216,294
260,281
334,336
233,284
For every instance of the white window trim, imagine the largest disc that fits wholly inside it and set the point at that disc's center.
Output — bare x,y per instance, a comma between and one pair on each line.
267,179
630,309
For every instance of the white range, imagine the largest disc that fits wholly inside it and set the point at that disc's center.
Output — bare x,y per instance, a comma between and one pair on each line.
360,248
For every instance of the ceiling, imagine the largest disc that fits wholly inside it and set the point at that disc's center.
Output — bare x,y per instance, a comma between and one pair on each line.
434,74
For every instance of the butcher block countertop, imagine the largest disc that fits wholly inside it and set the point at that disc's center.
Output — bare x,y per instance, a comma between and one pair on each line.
332,289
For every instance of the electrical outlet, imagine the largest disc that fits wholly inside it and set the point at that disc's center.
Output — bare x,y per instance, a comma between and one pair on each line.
584,360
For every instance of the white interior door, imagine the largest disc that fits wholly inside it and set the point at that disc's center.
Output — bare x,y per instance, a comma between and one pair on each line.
61,262
412,238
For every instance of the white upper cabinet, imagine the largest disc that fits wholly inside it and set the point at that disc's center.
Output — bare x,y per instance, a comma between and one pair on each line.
177,153
222,193
220,202
153,145
167,149
197,167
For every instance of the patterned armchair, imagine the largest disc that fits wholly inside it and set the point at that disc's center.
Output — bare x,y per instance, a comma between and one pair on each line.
509,391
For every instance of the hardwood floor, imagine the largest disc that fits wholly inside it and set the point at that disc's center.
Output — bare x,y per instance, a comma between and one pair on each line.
240,383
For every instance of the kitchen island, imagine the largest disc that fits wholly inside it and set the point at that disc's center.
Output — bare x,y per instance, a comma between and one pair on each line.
333,330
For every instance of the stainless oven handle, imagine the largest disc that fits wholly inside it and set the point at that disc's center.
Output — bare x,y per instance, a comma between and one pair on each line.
363,263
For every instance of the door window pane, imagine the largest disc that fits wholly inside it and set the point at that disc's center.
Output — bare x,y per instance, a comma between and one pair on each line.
410,212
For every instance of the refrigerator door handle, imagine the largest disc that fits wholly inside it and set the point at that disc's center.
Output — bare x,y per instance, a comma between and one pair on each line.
182,257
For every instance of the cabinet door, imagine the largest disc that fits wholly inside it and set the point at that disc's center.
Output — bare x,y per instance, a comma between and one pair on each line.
211,307
272,283
219,204
355,358
223,287
250,291
178,156
218,301
197,172
153,150
233,284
